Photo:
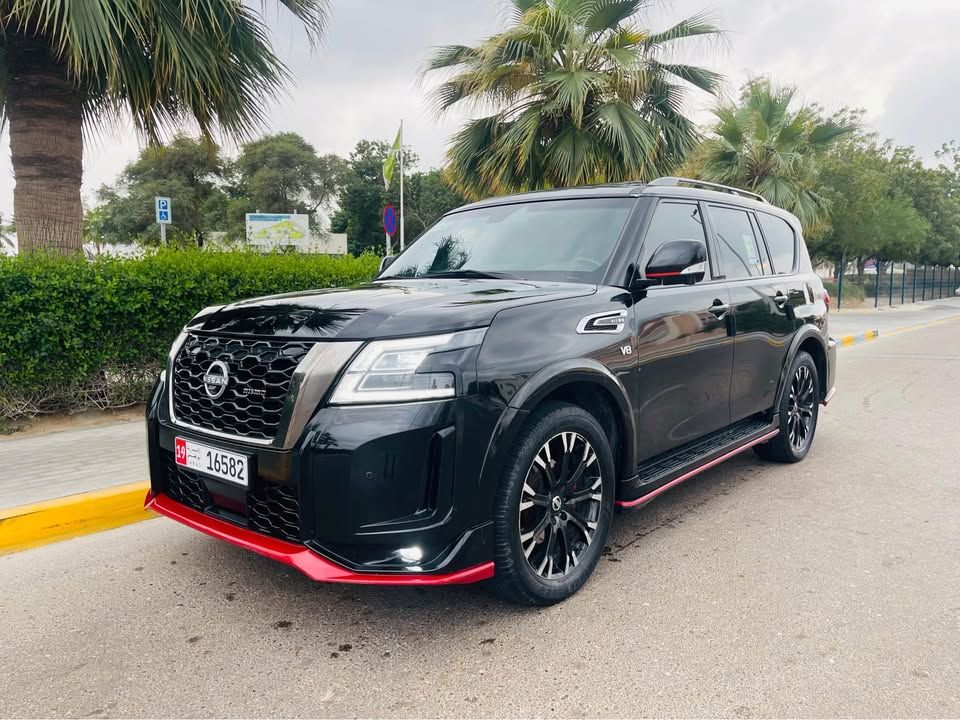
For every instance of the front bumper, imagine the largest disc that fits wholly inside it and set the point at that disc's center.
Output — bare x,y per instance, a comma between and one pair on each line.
313,565
388,494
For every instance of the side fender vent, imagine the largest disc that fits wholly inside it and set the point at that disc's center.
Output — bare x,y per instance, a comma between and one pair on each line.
605,323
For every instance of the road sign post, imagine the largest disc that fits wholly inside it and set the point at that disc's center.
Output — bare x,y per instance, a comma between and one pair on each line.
390,224
164,213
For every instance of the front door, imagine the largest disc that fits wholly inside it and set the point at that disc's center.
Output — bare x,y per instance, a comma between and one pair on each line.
763,310
684,344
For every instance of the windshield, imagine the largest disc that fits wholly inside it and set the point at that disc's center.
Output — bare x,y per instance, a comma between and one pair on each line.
562,240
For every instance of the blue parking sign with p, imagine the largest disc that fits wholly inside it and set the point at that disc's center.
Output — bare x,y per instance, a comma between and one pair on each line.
162,205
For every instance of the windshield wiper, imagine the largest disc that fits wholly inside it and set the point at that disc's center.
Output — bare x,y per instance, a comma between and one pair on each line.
473,274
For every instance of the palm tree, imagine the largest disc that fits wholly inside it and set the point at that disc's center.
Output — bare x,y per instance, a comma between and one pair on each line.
67,66
580,94
760,144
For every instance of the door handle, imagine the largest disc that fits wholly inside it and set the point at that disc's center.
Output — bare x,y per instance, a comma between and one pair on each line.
780,299
719,308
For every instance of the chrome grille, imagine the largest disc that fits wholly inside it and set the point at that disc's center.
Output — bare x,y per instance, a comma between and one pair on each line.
252,404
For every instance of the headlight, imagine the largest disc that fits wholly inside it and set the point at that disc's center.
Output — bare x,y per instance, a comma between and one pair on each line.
386,371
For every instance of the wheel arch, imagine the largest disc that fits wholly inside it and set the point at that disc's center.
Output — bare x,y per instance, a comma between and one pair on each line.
811,341
583,382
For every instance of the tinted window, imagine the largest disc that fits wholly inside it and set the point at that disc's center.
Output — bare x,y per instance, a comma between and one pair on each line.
736,244
548,240
780,241
674,221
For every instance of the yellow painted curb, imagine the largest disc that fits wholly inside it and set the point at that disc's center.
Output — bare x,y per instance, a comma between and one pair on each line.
45,522
847,340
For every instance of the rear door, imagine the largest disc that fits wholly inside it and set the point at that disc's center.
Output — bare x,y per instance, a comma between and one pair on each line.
762,308
684,344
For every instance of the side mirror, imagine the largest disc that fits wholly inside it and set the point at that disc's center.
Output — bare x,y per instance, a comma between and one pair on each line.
387,262
677,262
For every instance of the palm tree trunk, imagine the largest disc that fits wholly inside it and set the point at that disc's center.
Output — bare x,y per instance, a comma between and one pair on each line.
45,112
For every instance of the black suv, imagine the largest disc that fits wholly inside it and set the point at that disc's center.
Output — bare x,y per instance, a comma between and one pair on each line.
478,410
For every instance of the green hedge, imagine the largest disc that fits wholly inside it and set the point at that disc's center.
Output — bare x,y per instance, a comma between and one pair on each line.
76,333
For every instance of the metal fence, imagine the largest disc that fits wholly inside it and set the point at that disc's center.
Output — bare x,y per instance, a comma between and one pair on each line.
901,283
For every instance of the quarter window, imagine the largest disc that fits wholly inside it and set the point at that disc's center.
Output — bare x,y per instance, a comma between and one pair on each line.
736,244
781,242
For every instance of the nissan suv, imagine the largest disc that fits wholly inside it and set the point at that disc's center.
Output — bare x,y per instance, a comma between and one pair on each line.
478,410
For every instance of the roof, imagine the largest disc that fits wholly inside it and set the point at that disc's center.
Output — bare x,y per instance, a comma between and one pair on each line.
662,187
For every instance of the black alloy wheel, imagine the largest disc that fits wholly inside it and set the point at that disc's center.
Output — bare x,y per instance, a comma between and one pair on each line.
797,413
560,505
554,506
800,408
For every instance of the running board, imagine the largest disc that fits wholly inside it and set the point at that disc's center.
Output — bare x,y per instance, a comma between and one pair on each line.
663,472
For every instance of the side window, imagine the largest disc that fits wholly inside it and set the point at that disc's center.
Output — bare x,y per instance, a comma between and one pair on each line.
674,221
781,241
737,246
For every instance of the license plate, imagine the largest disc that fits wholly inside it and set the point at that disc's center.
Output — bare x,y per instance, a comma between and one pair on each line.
212,461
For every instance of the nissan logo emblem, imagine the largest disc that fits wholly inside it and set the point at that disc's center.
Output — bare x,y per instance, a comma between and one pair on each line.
215,379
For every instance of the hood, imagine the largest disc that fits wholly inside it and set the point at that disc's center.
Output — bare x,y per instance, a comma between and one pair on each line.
390,308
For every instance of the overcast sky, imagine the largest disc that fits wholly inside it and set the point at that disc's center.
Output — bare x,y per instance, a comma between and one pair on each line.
898,59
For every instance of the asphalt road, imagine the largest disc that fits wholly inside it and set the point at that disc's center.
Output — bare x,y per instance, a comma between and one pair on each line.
829,588
889,319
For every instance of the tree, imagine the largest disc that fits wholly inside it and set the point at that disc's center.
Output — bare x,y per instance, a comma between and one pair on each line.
869,216
762,144
427,196
935,192
582,94
283,173
187,170
66,64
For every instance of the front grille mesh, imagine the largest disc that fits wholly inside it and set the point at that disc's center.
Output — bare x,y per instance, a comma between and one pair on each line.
275,510
271,509
254,399
186,487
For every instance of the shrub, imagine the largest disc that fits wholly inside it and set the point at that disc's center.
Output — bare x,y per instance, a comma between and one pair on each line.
75,333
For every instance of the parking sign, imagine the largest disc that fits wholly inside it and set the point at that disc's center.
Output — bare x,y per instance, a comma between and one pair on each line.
163,209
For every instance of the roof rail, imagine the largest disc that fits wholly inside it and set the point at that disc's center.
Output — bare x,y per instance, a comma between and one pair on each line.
676,181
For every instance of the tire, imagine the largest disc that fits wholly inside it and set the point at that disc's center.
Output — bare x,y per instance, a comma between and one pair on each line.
545,551
798,413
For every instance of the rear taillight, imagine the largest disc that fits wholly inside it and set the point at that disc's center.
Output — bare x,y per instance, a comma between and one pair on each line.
826,299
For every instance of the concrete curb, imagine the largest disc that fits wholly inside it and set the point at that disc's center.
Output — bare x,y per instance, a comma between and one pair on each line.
845,340
45,522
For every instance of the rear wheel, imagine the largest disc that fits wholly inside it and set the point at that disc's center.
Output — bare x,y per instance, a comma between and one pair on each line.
553,507
797,414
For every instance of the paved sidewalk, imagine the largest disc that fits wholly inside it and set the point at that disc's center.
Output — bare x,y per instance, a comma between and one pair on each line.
44,467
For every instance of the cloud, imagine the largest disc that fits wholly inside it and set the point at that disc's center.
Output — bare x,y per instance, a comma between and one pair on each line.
894,59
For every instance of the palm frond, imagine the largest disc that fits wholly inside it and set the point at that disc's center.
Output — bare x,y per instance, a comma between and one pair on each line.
572,92
206,62
702,78
699,25
602,15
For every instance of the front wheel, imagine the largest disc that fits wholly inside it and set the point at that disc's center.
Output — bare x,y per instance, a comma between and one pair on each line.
798,413
553,507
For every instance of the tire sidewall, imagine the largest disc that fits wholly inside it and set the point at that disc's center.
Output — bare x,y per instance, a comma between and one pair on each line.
802,358
542,426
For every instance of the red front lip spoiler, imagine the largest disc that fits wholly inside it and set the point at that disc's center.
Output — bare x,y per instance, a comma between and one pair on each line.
306,561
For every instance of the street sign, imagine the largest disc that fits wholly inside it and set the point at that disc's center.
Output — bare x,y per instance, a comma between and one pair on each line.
163,209
390,220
